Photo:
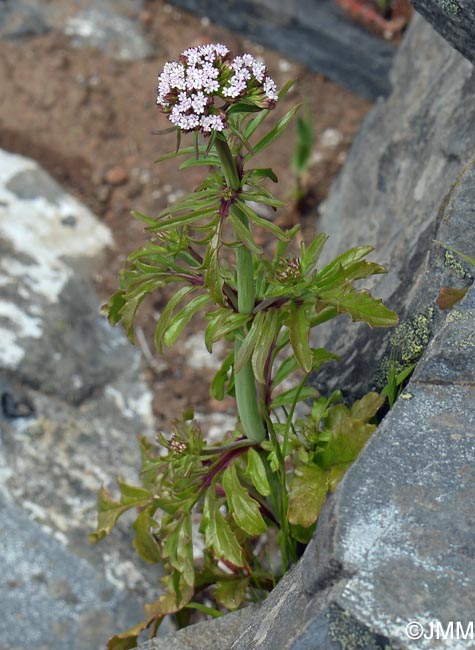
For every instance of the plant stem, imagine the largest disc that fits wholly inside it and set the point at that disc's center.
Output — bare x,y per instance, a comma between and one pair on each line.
244,380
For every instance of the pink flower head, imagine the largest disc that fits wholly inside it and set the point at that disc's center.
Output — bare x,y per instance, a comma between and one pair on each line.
188,89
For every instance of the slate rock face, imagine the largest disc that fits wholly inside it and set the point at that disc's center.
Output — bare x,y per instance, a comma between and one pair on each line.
72,401
454,19
317,33
407,182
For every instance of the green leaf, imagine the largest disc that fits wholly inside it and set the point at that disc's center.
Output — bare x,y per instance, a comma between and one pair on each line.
108,512
256,471
305,137
261,222
286,368
113,309
307,494
221,377
275,132
218,534
308,392
263,172
268,333
344,260
244,235
131,495
128,639
144,542
366,408
361,306
299,331
182,318
231,593
347,437
200,162
262,115
167,313
250,341
310,256
244,509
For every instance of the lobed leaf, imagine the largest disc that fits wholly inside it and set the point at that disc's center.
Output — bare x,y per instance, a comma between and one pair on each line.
243,508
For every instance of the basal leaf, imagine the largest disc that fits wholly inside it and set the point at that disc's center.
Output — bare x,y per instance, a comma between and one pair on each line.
231,593
307,494
366,408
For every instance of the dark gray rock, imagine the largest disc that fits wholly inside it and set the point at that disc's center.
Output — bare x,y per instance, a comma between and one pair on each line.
49,598
409,179
72,401
316,33
454,19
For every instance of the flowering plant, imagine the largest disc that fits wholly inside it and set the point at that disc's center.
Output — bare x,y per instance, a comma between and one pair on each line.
273,471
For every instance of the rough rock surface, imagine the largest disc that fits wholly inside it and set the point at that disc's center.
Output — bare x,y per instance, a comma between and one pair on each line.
407,181
394,544
72,400
316,33
454,19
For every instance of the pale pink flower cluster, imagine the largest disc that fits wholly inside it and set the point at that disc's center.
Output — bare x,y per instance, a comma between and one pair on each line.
188,88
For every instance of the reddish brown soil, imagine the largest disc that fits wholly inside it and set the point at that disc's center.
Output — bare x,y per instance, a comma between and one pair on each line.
88,120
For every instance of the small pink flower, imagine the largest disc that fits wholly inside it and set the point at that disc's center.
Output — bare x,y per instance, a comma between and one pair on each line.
188,89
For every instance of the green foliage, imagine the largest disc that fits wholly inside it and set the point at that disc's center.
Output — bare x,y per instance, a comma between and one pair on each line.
273,472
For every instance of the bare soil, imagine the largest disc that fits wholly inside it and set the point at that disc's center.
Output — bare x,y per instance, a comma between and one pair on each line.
88,120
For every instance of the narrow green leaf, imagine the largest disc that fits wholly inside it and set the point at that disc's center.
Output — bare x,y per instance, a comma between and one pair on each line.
244,235
466,258
275,132
217,388
268,333
244,509
167,313
183,317
263,172
209,161
263,223
299,331
250,341
308,392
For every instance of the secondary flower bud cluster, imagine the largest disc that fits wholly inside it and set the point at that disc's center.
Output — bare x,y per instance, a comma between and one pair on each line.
188,89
